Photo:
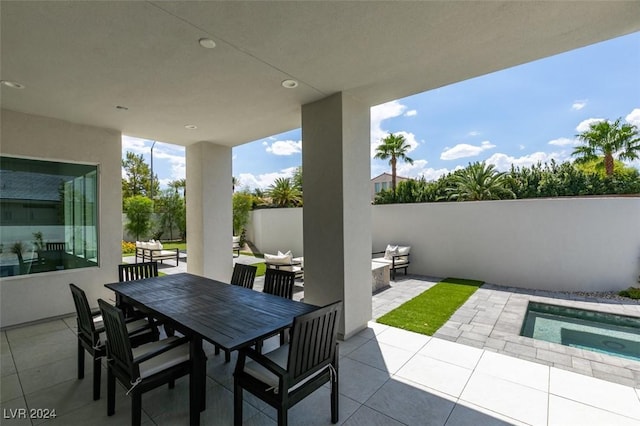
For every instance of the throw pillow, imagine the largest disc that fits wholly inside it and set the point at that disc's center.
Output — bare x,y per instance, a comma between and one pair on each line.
390,252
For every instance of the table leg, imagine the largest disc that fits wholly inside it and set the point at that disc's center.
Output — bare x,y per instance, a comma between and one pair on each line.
197,381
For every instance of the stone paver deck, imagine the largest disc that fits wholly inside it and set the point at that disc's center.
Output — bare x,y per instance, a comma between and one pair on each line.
492,319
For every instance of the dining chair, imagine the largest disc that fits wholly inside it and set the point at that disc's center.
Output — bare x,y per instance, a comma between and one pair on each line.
279,283
244,275
141,369
137,271
91,337
287,375
131,272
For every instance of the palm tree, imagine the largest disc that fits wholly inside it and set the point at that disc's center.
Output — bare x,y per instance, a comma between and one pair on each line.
479,181
394,147
179,184
284,194
604,141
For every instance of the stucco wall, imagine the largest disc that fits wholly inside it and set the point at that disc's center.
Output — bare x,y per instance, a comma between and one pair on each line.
276,229
32,297
553,244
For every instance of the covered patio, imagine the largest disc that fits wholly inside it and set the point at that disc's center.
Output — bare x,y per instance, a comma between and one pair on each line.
214,75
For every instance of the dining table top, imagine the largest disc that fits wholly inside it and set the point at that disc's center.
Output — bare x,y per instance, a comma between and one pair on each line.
229,316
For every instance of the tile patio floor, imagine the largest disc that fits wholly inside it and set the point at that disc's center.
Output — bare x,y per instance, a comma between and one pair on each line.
388,376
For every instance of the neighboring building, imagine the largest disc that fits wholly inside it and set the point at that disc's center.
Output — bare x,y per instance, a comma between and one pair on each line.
381,182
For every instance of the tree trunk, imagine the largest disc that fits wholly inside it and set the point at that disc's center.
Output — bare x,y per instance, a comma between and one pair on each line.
393,174
608,164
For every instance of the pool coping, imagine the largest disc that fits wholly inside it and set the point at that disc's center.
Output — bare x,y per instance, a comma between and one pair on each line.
492,318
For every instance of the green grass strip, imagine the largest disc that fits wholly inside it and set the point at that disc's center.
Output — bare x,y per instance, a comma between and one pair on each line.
427,312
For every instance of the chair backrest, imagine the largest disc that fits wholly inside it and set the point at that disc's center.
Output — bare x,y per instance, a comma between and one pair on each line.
118,343
279,282
313,341
86,327
56,246
137,271
244,275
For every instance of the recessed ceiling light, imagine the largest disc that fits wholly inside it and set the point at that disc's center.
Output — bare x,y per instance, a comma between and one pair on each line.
207,43
191,126
289,84
12,84
122,107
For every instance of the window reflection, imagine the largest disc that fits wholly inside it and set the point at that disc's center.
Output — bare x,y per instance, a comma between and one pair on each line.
48,216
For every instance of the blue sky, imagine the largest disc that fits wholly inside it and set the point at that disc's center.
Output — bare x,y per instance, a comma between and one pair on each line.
520,116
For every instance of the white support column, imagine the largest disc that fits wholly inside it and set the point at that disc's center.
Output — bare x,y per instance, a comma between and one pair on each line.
336,167
209,210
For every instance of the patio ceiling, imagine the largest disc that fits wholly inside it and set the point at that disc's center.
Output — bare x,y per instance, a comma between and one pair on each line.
79,60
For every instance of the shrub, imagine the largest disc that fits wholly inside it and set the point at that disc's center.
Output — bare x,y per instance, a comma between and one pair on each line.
631,292
128,247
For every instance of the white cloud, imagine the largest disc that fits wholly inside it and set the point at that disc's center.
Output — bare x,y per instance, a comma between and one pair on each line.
521,147
434,174
584,124
265,143
634,117
264,180
135,145
411,170
411,113
174,154
418,169
578,105
381,112
288,147
562,142
465,150
474,133
503,162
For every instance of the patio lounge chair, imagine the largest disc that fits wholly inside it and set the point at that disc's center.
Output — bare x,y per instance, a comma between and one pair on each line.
285,262
287,375
397,257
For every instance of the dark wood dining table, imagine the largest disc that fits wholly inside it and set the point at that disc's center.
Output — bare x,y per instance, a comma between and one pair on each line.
231,317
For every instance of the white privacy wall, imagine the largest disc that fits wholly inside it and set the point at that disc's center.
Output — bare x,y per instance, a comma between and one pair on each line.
563,244
276,229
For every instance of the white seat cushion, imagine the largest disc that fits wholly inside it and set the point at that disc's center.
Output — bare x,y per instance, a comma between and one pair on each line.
280,356
399,260
163,361
131,326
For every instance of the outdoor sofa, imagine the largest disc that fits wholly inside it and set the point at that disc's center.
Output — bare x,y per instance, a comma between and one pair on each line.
153,251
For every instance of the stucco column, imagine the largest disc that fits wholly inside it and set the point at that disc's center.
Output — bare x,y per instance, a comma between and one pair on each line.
209,210
337,207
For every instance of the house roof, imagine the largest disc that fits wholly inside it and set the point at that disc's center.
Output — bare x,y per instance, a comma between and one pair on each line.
81,59
390,176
